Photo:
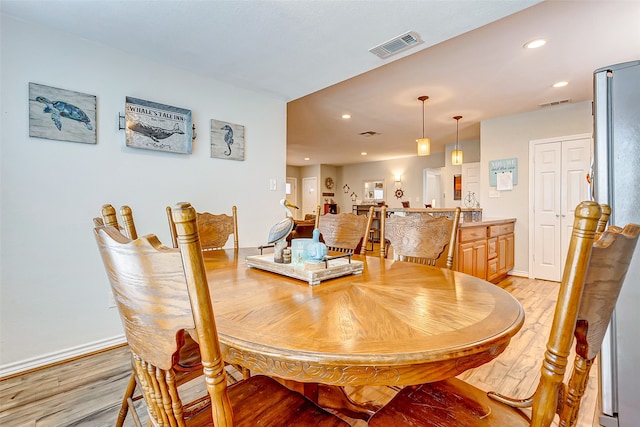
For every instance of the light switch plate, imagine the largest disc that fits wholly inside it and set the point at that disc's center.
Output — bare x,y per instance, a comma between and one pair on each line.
273,184
494,193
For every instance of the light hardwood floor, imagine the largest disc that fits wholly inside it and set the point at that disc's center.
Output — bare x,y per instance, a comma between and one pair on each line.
88,391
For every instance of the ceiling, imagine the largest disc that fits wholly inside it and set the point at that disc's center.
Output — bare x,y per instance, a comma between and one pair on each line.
315,55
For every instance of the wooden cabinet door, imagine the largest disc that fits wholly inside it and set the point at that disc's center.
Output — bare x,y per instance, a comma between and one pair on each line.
465,258
480,259
509,246
472,258
502,255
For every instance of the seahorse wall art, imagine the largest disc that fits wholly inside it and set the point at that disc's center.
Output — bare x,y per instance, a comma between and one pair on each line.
227,140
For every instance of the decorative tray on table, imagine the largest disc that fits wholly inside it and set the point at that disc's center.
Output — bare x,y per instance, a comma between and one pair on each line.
312,272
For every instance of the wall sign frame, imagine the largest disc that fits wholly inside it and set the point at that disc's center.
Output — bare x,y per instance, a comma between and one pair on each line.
457,187
61,114
227,140
160,127
503,166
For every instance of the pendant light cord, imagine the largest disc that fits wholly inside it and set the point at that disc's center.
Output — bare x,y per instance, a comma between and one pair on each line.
457,131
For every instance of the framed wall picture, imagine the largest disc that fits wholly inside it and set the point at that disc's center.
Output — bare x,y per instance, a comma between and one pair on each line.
61,114
457,187
158,127
227,140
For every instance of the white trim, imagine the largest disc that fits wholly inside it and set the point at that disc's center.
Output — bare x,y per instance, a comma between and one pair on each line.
519,273
59,356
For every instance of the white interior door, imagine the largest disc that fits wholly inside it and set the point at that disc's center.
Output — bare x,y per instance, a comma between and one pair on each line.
576,162
292,194
546,211
309,195
560,168
432,185
471,181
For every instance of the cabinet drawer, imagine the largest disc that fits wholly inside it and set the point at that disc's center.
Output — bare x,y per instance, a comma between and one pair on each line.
467,234
499,230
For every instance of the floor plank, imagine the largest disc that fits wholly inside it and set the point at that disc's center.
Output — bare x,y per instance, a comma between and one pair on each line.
88,391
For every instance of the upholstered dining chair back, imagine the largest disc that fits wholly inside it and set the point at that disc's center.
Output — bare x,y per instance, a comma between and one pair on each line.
160,292
594,271
214,229
420,238
345,231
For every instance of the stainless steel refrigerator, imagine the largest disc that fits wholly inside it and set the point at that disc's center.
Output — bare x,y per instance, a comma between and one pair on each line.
617,182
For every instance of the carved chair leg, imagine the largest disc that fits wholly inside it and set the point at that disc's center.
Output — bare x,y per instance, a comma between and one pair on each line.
134,414
575,391
124,408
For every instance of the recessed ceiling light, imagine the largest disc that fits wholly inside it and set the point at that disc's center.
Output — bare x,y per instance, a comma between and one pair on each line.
346,116
533,44
560,84
306,158
364,153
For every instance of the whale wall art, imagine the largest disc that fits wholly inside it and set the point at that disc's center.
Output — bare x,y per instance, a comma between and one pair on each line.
60,114
227,140
154,126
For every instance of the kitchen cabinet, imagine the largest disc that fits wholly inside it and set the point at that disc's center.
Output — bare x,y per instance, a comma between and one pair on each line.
472,251
486,249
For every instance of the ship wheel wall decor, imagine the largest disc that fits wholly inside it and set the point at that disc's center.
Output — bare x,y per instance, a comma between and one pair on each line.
328,183
399,193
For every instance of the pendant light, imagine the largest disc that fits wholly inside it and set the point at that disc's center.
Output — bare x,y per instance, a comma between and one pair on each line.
456,155
424,144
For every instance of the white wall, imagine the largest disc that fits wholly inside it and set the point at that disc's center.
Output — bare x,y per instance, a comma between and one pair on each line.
508,137
54,289
410,168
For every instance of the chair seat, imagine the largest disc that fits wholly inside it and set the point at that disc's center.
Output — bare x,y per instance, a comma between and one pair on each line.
262,401
450,402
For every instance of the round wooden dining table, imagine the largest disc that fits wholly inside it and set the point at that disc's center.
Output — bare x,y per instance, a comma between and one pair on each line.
395,323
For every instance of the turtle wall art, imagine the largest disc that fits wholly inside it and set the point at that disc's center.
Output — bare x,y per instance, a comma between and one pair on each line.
156,126
227,140
61,114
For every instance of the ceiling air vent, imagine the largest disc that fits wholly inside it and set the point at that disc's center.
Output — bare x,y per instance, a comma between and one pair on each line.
396,45
554,103
369,133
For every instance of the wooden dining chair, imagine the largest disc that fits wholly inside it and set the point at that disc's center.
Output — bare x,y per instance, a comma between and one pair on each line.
345,231
160,292
214,229
187,365
420,238
593,275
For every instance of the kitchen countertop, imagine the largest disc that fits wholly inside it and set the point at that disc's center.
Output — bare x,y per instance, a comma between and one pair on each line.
487,221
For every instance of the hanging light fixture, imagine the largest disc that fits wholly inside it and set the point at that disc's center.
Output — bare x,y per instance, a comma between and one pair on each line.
424,144
456,155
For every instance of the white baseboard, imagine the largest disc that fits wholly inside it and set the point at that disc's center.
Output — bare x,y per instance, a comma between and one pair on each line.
59,356
519,273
